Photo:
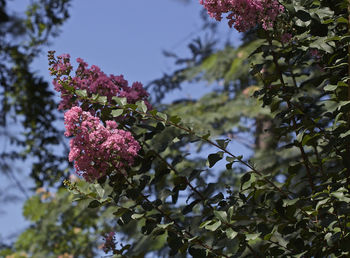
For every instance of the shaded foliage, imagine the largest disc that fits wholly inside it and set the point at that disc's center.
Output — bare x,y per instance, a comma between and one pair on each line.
28,106
290,197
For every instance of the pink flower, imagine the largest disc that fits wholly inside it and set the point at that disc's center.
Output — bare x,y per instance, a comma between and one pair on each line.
286,37
244,14
93,81
97,150
109,244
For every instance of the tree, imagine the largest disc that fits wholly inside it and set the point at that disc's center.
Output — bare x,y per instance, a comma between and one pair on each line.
28,108
290,198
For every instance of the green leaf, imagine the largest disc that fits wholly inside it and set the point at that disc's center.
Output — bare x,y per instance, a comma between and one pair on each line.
221,215
303,15
230,213
197,251
343,104
223,143
120,212
256,68
142,106
100,190
252,236
133,193
174,242
33,209
287,202
339,194
94,204
205,223
102,100
164,226
230,233
153,112
321,44
217,198
330,87
276,251
175,119
342,20
131,106
215,157
120,101
163,116
137,216
180,182
206,136
214,226
81,93
188,208
321,203
149,226
343,135
245,178
117,112
165,193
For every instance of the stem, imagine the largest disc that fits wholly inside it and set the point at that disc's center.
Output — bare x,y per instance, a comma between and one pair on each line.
227,152
200,195
175,223
347,157
319,160
189,131
224,150
294,122
252,250
340,225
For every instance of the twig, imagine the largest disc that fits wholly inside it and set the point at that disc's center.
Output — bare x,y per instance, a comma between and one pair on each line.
175,223
294,122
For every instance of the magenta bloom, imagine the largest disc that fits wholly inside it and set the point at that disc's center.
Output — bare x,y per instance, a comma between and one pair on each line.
96,149
244,14
286,37
94,81
109,244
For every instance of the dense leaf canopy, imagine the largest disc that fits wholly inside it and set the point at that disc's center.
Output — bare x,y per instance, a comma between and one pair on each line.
283,95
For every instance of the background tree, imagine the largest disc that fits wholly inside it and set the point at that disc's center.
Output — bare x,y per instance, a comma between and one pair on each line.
28,107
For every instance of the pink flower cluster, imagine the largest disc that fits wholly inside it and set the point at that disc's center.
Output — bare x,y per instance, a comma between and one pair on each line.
94,81
244,14
109,244
97,149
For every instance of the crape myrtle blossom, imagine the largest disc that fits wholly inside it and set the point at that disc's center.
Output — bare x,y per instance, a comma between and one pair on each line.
93,80
244,14
95,148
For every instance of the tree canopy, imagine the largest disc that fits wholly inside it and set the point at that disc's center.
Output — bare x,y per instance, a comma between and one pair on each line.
168,179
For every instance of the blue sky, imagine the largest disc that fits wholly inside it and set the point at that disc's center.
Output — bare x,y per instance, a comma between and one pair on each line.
121,37
127,37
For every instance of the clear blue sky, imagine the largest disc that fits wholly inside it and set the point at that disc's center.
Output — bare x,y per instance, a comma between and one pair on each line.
122,37
127,37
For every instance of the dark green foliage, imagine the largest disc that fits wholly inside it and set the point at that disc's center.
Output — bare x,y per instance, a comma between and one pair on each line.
28,107
287,196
